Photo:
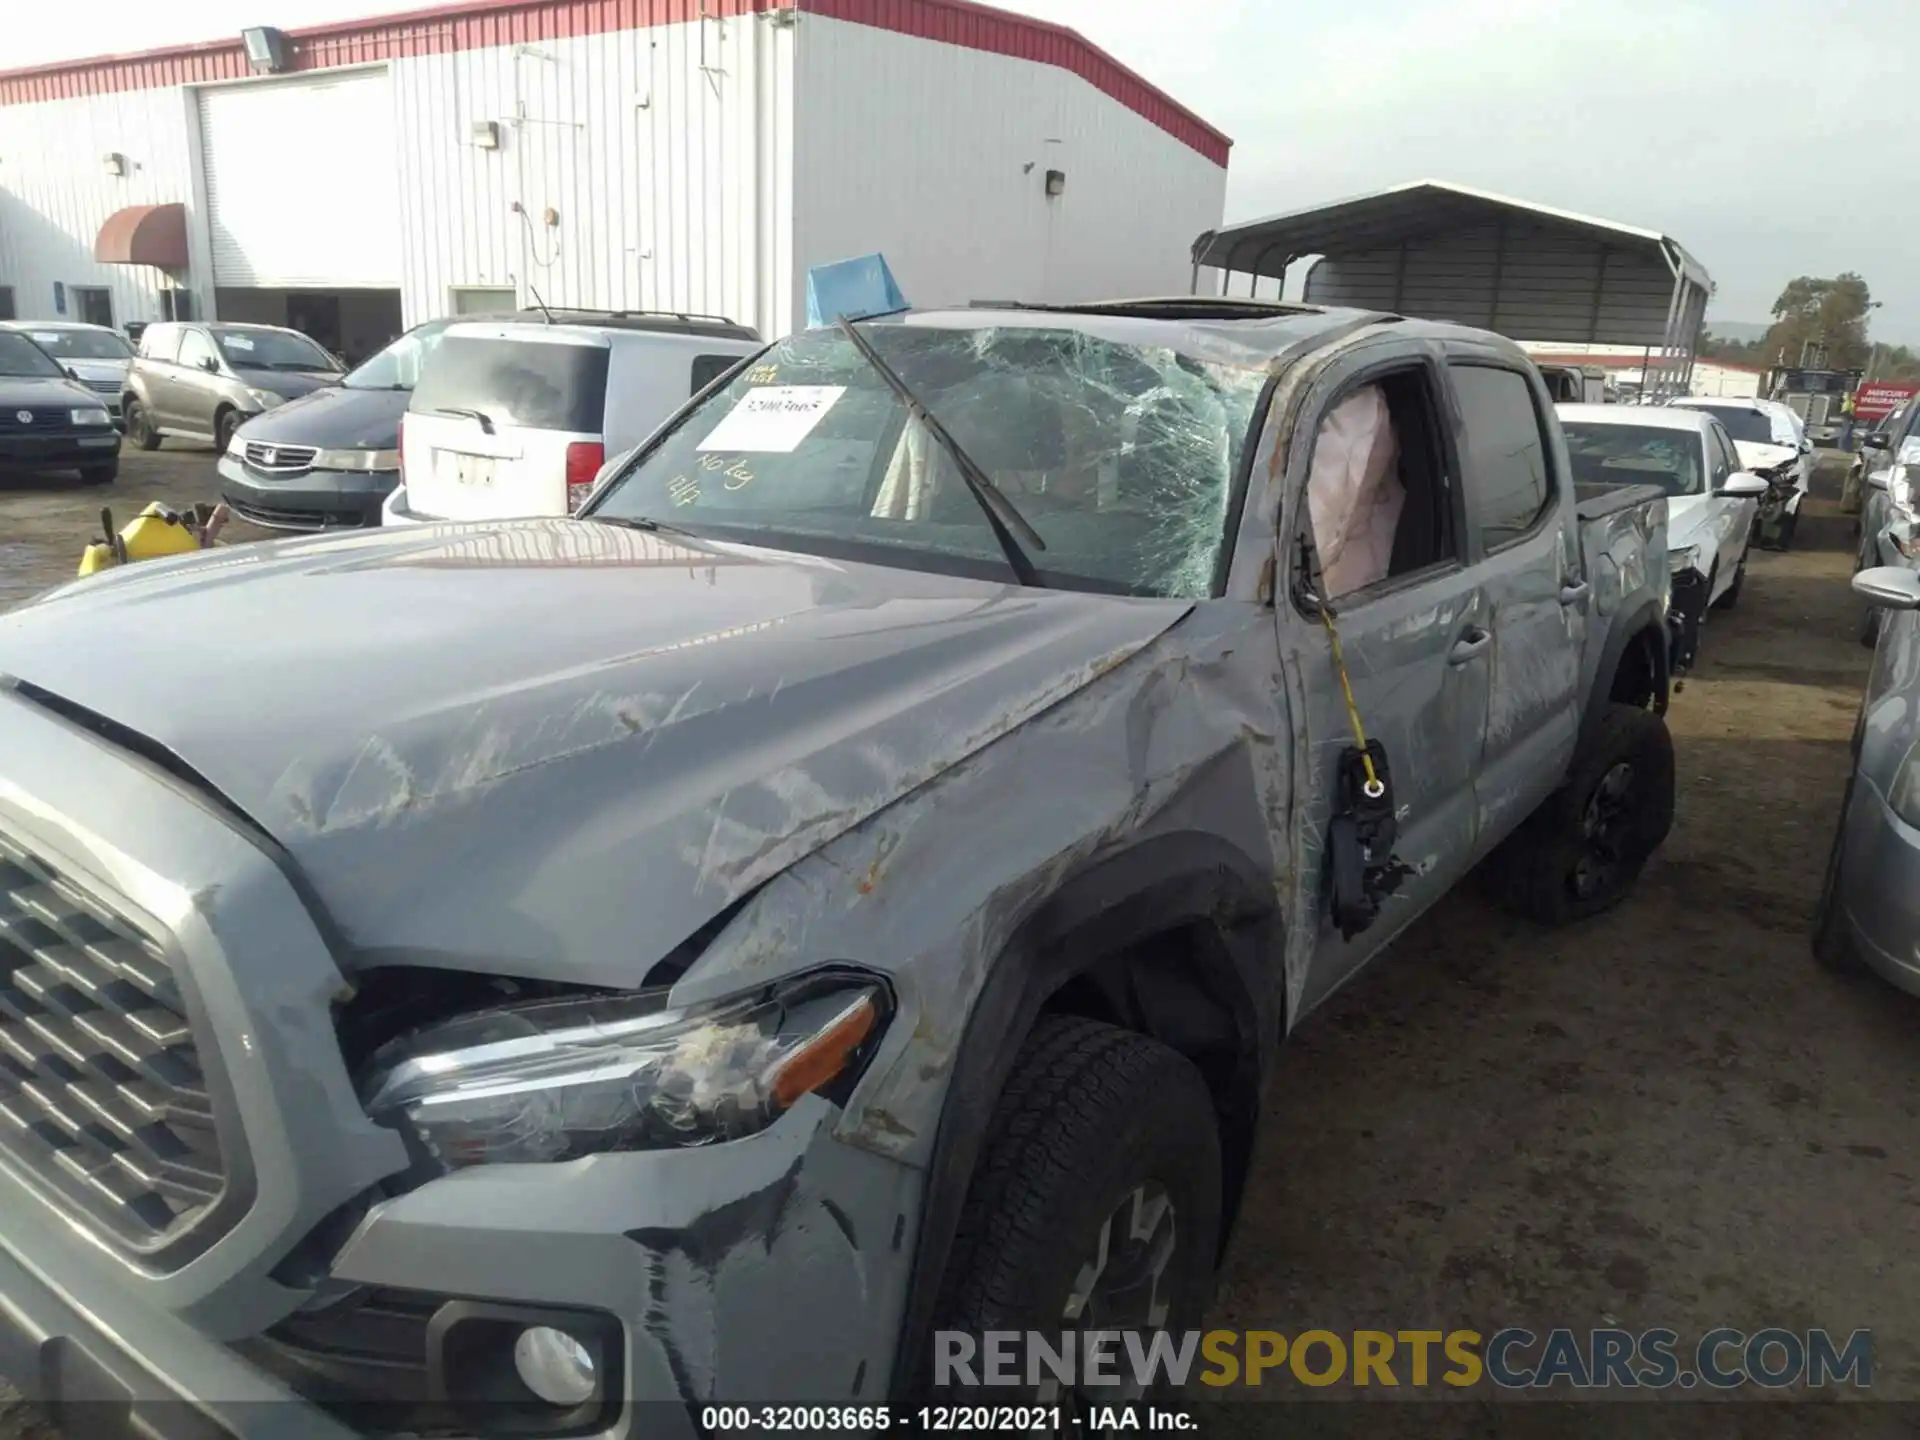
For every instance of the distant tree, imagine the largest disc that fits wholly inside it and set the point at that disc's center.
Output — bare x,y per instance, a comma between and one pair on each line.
1896,362
1822,312
1732,352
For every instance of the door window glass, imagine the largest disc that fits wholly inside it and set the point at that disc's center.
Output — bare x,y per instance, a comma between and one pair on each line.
196,350
1504,453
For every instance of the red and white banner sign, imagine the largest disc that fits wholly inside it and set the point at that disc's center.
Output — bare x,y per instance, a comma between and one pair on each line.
1877,399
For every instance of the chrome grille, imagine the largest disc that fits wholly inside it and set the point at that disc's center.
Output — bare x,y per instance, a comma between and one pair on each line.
263,456
102,1097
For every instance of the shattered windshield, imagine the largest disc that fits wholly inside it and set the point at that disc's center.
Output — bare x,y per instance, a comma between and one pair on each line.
1123,457
1635,455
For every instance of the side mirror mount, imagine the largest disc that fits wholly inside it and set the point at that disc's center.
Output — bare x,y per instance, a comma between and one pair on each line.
614,464
1806,446
1878,440
1744,484
1890,587
72,374
210,365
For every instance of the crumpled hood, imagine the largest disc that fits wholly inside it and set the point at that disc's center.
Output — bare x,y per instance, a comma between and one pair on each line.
1757,457
556,748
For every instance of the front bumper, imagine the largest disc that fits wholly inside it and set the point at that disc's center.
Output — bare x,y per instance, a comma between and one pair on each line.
58,450
770,1269
1879,890
307,499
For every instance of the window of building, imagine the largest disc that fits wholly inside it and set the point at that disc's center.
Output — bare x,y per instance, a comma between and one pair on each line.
1505,456
6,302
93,305
483,299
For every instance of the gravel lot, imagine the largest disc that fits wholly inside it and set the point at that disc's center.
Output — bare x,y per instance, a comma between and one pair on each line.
1667,1116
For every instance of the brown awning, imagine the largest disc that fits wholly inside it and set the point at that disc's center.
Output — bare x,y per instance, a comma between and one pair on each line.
144,235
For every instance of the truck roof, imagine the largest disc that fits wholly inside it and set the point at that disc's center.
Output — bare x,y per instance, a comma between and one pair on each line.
1223,329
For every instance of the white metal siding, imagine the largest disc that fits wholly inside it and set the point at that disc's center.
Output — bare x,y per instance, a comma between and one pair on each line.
55,193
300,191
670,182
936,156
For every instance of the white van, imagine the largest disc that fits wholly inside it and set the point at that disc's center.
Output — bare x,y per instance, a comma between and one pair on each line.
516,418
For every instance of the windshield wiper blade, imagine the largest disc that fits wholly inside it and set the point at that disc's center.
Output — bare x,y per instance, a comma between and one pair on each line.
485,420
643,522
1000,512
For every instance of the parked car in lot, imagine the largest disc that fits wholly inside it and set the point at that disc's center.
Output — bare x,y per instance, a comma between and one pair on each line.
518,418
201,382
92,354
1710,499
928,756
49,421
1869,910
331,458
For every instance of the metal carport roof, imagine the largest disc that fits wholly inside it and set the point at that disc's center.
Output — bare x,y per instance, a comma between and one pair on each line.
1448,252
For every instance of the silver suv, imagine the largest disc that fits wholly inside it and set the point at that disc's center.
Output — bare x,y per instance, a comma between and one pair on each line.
200,381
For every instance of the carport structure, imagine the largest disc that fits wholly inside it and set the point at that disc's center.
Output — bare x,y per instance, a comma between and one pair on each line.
1446,252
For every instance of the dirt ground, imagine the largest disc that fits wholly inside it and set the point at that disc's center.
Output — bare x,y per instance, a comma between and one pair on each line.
1666,1116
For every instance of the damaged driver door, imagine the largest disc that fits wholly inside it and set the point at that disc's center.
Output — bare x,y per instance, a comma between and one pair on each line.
1412,631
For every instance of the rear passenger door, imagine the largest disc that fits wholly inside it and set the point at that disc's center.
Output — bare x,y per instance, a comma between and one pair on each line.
1524,541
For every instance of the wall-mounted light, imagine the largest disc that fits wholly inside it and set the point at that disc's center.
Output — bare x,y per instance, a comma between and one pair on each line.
266,49
1056,182
486,134
114,163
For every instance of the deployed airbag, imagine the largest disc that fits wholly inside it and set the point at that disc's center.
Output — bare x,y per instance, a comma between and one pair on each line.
1354,494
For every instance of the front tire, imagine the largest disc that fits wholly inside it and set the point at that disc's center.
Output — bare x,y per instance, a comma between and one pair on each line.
1096,1201
1582,850
1732,597
140,426
224,424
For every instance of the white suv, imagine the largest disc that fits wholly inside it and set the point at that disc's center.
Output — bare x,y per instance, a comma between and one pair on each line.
518,418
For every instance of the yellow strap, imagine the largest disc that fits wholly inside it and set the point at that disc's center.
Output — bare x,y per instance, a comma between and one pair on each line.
1374,787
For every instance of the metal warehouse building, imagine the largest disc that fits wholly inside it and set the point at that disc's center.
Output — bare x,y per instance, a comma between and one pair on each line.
682,155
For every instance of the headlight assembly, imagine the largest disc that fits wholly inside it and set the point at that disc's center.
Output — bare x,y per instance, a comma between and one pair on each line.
356,460
560,1079
266,399
89,415
1687,558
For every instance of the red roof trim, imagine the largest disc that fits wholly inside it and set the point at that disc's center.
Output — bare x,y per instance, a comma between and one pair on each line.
479,24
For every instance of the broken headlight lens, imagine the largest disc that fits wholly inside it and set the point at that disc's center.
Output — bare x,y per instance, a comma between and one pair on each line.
1685,558
559,1079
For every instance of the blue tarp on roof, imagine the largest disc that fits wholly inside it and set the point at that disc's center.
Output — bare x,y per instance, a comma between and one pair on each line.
854,288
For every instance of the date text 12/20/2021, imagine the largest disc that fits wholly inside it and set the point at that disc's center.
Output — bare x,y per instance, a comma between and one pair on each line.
938,1419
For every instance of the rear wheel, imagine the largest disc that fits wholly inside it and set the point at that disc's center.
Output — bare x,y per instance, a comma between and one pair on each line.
140,426
1095,1204
1583,849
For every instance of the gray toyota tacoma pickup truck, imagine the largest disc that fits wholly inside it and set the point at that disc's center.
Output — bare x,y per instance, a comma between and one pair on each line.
846,886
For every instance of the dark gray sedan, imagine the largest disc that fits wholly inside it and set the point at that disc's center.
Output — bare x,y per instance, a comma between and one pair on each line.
1869,913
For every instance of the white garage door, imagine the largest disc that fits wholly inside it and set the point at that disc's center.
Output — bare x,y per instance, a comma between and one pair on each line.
300,182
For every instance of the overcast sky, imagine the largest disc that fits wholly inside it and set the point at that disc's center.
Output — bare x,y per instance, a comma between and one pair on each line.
1758,133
